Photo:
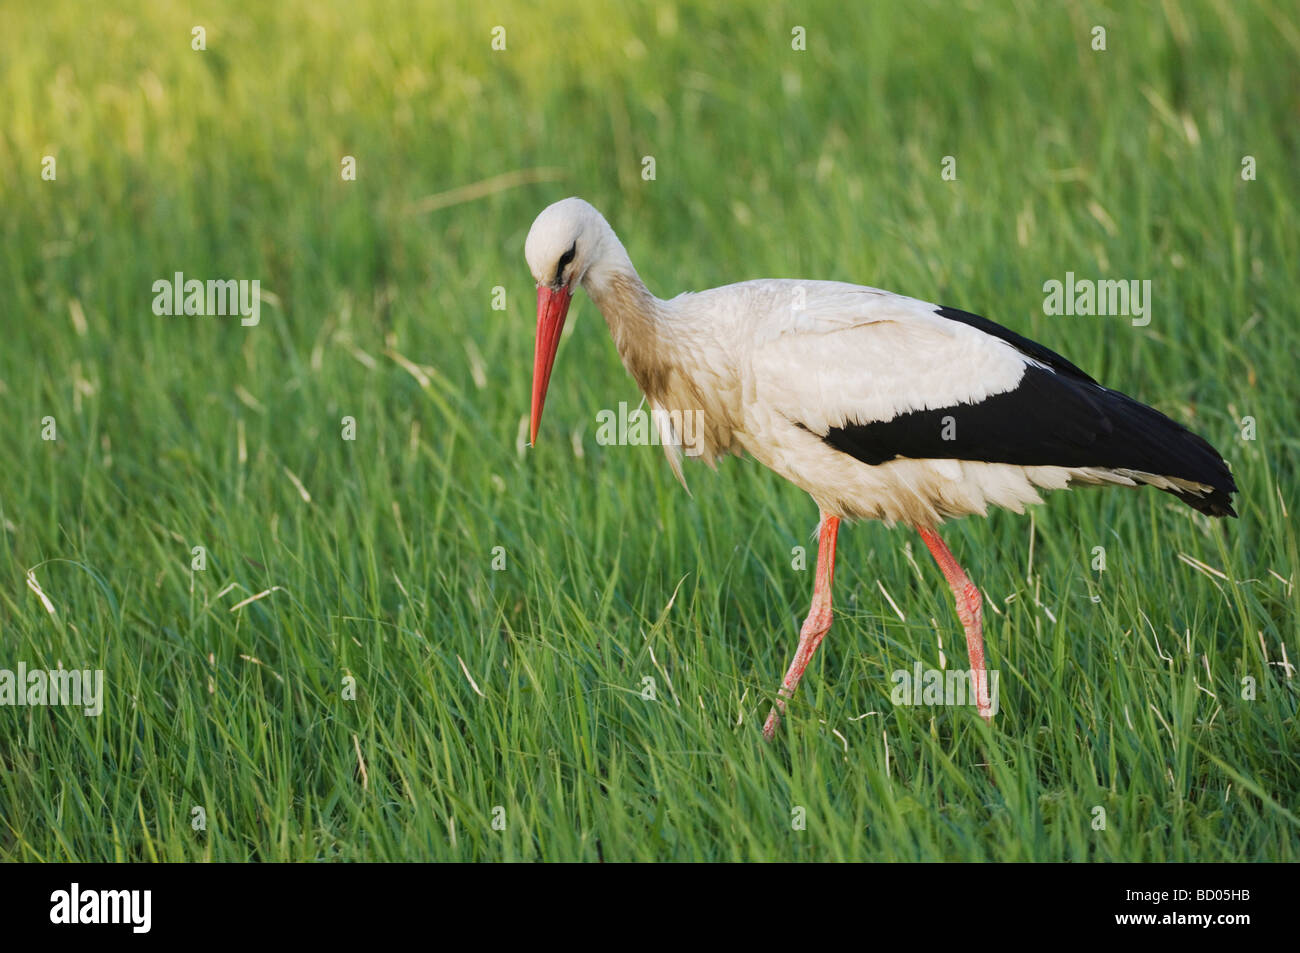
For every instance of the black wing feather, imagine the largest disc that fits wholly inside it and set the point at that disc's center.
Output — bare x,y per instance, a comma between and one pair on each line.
1025,346
1056,416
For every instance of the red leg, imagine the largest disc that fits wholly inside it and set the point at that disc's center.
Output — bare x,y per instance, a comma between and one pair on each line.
815,626
970,609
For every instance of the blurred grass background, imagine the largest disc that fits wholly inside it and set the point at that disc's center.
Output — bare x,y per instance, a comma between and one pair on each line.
521,688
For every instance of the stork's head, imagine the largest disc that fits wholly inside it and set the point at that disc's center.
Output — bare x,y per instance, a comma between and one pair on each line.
563,244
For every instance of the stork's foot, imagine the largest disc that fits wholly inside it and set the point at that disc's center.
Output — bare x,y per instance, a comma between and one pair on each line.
970,610
773,719
815,626
814,630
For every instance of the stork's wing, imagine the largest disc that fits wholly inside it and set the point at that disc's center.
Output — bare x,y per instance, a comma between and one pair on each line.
880,377
861,356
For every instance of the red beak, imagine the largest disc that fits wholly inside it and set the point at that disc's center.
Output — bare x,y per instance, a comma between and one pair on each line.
552,308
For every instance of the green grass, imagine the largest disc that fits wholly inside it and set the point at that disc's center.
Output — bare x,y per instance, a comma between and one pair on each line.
184,431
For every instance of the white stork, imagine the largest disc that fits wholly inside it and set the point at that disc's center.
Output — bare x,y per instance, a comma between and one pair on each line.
879,406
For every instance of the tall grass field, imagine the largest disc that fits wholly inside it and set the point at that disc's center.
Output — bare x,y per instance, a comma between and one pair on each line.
342,612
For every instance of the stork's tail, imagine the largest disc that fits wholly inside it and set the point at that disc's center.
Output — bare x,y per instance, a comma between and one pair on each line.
1164,454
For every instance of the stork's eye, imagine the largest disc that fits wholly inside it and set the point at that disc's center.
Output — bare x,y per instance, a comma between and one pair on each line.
564,261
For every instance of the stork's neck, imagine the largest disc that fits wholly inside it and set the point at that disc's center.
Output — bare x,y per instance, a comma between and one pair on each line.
636,318
673,351
628,306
